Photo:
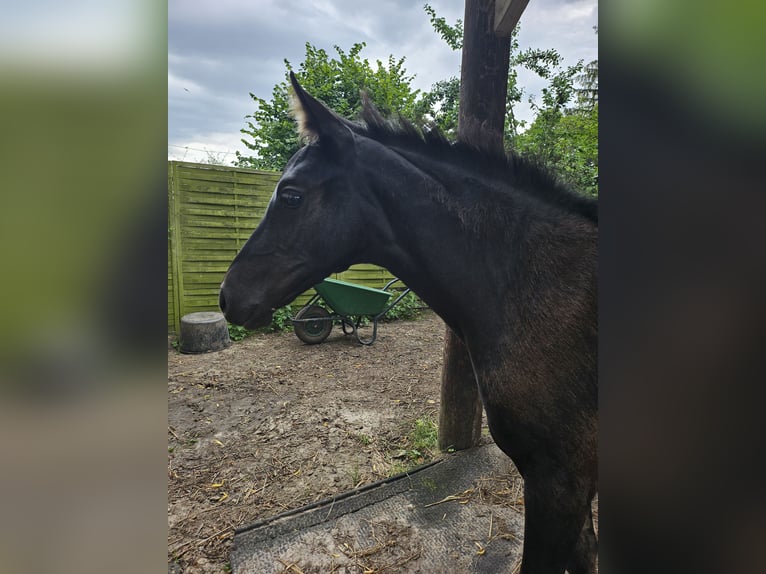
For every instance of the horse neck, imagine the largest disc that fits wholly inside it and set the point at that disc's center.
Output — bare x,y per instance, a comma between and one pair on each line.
439,247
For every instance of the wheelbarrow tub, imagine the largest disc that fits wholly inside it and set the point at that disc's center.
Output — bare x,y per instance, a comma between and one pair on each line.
350,299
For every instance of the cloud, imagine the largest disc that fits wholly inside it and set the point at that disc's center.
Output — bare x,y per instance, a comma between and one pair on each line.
221,51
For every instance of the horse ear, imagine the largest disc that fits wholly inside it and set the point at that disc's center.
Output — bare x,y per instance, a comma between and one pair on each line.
315,120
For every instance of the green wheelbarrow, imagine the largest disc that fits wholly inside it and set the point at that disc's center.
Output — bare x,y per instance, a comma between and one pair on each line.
346,303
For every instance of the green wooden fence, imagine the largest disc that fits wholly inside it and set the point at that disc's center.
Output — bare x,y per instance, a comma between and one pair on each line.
212,211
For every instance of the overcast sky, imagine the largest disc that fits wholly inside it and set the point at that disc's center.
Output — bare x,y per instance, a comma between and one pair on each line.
219,52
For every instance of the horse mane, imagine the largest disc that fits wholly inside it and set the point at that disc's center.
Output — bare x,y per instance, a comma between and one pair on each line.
523,173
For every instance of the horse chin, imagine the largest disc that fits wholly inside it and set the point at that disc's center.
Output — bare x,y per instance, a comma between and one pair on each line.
251,317
261,319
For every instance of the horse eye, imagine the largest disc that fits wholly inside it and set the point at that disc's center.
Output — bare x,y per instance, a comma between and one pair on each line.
291,198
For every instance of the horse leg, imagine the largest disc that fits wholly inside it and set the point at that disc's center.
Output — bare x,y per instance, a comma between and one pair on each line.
583,560
556,511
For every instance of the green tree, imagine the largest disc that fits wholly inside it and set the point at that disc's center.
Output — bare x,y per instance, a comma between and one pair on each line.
453,35
564,134
565,138
440,106
337,81
587,92
567,144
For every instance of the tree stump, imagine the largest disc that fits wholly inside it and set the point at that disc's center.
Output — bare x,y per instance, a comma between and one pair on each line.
203,332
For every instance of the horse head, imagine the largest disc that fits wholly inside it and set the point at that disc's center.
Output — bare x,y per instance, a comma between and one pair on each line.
313,225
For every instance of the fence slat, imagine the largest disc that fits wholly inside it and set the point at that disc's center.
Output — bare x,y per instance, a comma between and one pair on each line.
174,237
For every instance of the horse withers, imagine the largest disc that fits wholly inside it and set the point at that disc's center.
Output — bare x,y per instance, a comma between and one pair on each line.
496,247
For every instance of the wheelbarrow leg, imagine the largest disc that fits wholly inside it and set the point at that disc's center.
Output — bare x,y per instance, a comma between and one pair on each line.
347,325
371,340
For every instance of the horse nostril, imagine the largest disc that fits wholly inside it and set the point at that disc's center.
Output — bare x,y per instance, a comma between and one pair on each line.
222,302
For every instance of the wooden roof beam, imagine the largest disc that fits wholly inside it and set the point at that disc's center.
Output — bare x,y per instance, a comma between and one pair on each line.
507,15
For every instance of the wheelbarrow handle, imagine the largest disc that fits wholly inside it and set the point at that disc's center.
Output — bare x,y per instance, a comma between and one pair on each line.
392,304
394,280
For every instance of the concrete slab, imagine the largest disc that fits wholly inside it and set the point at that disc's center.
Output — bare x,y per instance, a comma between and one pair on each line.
463,513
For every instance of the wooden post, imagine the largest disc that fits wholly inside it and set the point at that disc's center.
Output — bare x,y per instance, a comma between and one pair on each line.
460,410
483,88
483,78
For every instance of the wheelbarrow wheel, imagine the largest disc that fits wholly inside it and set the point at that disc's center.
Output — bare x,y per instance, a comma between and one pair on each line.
313,332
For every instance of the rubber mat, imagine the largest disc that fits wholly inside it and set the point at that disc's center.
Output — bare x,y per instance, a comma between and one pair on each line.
463,513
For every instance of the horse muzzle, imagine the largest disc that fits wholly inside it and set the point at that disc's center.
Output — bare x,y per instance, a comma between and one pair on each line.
239,312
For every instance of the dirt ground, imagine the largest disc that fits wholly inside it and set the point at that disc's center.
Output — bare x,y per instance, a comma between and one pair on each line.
270,424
